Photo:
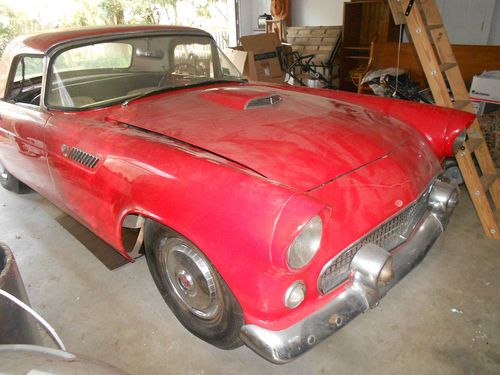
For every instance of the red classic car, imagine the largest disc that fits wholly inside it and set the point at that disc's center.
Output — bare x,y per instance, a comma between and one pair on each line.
270,215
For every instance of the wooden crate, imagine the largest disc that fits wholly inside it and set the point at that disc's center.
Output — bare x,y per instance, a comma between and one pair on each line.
314,40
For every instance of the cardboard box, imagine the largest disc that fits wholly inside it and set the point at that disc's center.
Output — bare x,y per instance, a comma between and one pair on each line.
486,87
238,57
485,90
263,62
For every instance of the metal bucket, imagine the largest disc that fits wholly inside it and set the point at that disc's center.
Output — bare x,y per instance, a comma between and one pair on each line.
31,359
17,326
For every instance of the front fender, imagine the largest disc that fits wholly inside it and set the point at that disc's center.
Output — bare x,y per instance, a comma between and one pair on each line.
228,212
439,125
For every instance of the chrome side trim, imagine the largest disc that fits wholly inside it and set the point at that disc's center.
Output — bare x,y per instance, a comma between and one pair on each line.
362,294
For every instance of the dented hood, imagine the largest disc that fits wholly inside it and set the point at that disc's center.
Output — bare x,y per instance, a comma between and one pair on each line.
297,139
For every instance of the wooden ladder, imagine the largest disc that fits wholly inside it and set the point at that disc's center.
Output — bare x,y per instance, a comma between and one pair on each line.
433,47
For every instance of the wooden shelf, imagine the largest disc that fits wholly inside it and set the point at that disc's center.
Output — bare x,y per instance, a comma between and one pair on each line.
364,22
360,48
357,57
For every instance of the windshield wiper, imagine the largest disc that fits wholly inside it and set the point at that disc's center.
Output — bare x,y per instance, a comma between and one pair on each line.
172,88
146,93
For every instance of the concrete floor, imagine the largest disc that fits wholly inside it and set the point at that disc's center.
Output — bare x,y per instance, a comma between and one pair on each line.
443,318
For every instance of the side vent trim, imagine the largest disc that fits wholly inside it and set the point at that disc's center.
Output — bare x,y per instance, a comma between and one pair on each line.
263,101
83,157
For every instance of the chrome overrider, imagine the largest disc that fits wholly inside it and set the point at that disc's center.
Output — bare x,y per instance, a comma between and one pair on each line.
373,272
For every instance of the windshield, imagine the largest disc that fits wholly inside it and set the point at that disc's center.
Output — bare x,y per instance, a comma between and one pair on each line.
108,72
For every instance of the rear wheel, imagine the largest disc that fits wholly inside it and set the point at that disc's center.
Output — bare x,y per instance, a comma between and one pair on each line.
9,182
192,287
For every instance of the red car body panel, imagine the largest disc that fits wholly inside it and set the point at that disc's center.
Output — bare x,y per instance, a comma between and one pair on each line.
438,125
44,41
239,183
302,142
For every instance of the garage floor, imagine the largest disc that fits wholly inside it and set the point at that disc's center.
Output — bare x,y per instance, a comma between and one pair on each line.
443,318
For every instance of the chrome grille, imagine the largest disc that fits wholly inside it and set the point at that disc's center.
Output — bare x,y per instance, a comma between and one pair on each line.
388,235
83,157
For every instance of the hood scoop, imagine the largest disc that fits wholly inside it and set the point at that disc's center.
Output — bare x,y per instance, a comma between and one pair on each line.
263,101
242,98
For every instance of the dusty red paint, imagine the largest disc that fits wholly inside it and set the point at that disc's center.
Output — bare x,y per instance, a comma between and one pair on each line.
238,183
44,41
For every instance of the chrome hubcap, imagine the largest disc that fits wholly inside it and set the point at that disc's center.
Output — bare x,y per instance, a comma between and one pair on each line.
185,281
190,277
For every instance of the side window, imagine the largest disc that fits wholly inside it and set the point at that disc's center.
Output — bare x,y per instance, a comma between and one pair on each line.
77,77
26,83
95,56
29,67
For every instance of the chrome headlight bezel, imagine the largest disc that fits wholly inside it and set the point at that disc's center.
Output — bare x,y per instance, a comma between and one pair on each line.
295,294
306,244
459,141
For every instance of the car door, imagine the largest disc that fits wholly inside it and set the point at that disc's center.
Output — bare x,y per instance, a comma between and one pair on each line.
22,123
75,157
78,138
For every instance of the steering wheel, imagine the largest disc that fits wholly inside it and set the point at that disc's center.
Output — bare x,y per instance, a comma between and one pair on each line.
179,69
36,99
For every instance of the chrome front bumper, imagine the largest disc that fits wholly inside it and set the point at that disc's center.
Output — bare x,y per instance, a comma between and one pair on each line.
363,293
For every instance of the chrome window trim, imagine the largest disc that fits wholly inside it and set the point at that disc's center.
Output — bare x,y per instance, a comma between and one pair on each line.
60,47
12,73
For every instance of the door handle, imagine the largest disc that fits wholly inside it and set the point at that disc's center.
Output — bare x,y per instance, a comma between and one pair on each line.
64,150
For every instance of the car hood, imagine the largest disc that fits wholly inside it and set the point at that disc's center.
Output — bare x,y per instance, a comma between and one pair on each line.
297,139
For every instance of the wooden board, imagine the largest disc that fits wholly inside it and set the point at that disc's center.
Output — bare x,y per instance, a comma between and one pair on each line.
397,12
471,59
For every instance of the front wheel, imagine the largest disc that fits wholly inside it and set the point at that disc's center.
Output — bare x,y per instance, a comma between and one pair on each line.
9,182
192,287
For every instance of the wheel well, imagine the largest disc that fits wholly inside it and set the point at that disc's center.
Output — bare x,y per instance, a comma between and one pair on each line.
132,235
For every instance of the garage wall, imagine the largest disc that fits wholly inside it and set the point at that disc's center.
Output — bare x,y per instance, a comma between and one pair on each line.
317,12
467,21
304,13
249,12
494,38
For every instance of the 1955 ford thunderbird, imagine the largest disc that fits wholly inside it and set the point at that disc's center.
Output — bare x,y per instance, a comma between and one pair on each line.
270,215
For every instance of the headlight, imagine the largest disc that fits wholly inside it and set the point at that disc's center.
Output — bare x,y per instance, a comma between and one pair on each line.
306,244
459,141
